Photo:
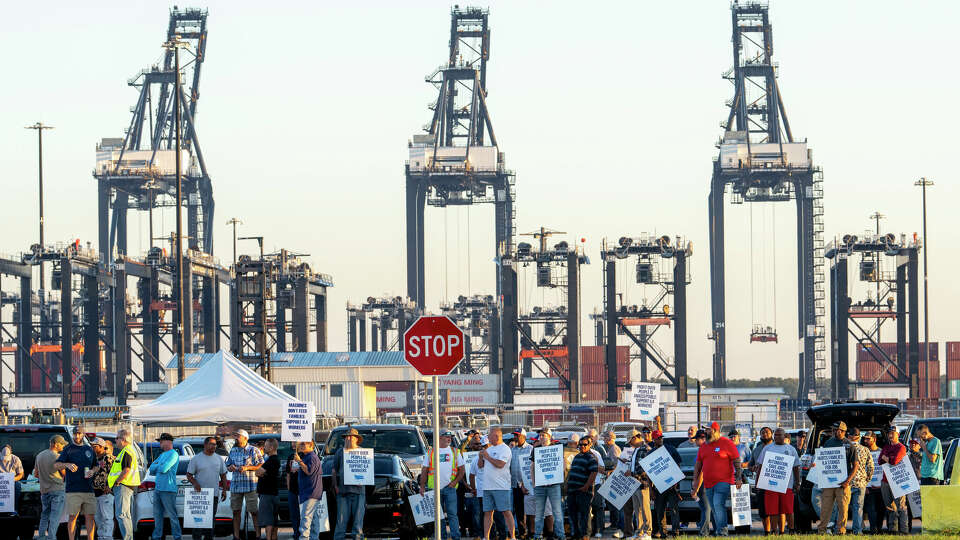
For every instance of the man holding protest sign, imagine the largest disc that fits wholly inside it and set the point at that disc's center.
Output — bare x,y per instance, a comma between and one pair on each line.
892,454
838,495
639,504
777,474
547,493
669,499
873,501
717,468
207,471
351,497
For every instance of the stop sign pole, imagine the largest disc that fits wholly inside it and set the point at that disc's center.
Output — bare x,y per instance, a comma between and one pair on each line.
434,346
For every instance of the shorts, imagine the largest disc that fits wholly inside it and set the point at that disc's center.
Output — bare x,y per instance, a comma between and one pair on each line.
236,501
778,503
81,503
269,506
500,500
530,505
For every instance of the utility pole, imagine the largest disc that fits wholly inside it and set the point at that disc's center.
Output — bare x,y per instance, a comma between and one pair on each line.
234,221
39,127
923,183
182,309
151,187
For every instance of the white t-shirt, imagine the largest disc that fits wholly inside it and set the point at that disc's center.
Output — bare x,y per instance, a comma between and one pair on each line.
446,465
478,478
497,478
784,449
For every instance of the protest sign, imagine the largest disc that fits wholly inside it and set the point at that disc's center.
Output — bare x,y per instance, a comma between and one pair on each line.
469,458
832,463
662,469
6,492
813,474
422,507
916,508
298,417
644,401
901,478
526,468
618,488
775,472
323,514
548,464
358,467
877,478
740,506
198,508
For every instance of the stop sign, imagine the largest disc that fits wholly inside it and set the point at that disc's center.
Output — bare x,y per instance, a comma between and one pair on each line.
433,345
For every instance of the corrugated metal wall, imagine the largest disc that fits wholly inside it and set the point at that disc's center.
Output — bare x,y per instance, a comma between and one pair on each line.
350,404
593,371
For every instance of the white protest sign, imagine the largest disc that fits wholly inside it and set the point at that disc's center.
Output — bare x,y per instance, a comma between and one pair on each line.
740,506
526,469
644,401
548,465
198,508
662,469
877,477
358,467
298,419
323,517
6,492
775,472
916,508
832,463
422,507
469,458
901,478
619,488
813,475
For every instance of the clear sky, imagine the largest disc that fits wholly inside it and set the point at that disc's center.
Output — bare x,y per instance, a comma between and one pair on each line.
608,113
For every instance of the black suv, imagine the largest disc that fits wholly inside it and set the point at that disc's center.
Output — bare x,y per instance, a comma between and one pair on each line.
28,440
944,428
388,512
865,415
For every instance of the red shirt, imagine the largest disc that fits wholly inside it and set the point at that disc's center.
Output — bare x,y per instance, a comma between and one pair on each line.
716,461
894,453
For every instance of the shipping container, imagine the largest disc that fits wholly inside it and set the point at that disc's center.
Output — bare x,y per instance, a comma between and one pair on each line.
871,370
953,350
874,392
724,414
529,402
756,413
541,384
953,389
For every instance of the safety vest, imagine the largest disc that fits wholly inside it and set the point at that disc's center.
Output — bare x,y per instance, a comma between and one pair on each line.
453,470
133,480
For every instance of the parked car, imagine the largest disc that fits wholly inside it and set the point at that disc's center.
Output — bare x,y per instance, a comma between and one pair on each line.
151,449
620,429
223,446
950,456
28,440
563,432
944,428
865,415
453,422
403,440
388,512
143,505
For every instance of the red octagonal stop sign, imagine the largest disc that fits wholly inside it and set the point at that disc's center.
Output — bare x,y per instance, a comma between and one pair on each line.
433,345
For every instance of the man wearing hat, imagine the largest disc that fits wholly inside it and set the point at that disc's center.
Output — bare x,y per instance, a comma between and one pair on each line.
450,474
101,489
243,461
893,453
669,500
639,504
839,496
351,499
521,449
717,468
164,469
52,496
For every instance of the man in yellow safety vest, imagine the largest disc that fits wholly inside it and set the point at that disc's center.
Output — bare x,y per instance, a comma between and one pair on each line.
124,479
450,473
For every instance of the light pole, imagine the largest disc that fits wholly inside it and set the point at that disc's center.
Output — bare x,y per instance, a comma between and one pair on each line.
39,127
182,309
234,222
923,183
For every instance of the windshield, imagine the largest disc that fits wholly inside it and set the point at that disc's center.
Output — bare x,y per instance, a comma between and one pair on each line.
480,422
945,430
26,445
393,441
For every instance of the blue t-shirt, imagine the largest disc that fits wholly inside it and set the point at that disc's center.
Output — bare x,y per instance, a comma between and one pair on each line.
81,456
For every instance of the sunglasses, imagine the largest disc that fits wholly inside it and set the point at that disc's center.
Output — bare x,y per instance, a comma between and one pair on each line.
584,444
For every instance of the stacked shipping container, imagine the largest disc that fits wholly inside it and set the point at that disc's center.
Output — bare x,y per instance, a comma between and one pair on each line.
953,369
872,370
593,371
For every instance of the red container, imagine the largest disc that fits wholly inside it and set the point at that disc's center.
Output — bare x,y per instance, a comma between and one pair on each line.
953,369
953,350
929,388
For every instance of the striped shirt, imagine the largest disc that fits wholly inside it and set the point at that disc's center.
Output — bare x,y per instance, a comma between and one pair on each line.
244,481
580,468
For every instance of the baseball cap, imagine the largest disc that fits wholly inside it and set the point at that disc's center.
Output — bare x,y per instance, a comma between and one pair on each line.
891,428
733,433
58,439
242,433
914,441
547,431
840,425
853,432
166,437
645,429
97,441
700,433
519,432
715,426
657,434
446,433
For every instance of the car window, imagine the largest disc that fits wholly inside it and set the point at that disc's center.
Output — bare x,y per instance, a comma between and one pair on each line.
945,430
182,467
394,441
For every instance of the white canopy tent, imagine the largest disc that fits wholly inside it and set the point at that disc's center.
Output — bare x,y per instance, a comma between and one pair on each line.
222,390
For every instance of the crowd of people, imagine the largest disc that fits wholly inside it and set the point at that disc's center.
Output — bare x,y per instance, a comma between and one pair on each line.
493,496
